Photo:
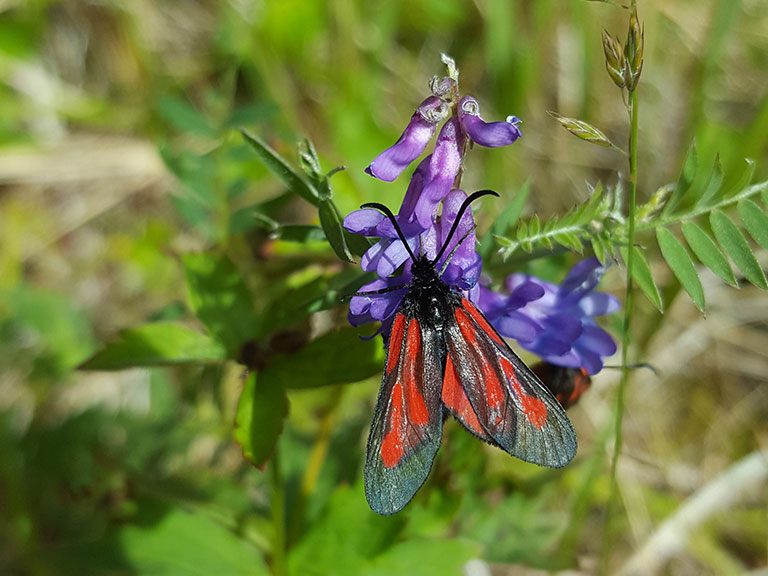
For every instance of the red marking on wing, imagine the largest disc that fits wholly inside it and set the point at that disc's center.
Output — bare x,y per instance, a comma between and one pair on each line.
480,319
395,342
581,382
417,408
456,400
392,445
534,408
494,389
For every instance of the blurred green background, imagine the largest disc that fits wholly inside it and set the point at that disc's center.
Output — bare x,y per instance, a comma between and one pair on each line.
120,153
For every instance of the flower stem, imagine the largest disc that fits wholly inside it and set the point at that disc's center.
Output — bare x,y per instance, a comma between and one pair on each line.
278,516
626,332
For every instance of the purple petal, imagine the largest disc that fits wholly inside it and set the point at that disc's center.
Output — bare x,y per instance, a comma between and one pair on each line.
390,164
583,277
372,307
364,221
524,293
598,304
564,328
570,359
589,360
598,340
488,134
393,257
518,326
442,170
370,259
491,303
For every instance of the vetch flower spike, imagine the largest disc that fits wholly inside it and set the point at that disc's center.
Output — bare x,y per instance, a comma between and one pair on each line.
390,164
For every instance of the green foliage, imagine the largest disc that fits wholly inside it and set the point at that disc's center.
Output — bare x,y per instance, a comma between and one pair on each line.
599,222
237,246
158,344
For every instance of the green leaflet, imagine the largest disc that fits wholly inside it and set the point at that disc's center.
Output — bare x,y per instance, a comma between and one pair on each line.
682,265
736,247
641,273
755,220
707,252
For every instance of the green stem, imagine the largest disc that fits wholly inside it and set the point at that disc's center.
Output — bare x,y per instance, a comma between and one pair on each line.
626,335
278,516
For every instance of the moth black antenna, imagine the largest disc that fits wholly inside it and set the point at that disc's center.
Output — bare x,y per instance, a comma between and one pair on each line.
388,213
471,198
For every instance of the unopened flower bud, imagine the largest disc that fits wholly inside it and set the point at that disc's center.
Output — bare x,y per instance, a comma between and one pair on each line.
633,51
615,62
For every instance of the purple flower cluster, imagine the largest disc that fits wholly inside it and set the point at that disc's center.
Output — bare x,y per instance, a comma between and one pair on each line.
554,322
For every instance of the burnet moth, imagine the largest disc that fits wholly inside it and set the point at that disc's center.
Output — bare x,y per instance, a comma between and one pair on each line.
567,384
443,358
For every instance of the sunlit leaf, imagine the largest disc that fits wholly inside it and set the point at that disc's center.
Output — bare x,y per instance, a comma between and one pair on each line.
736,247
641,273
156,344
707,252
682,265
261,410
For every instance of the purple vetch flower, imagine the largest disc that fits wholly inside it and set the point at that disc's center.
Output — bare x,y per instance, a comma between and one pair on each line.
388,254
561,320
390,164
488,134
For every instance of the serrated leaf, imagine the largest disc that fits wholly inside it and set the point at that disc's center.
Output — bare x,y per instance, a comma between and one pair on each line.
682,265
714,185
261,410
736,247
220,299
707,252
334,232
335,358
684,181
755,220
157,344
282,169
641,273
